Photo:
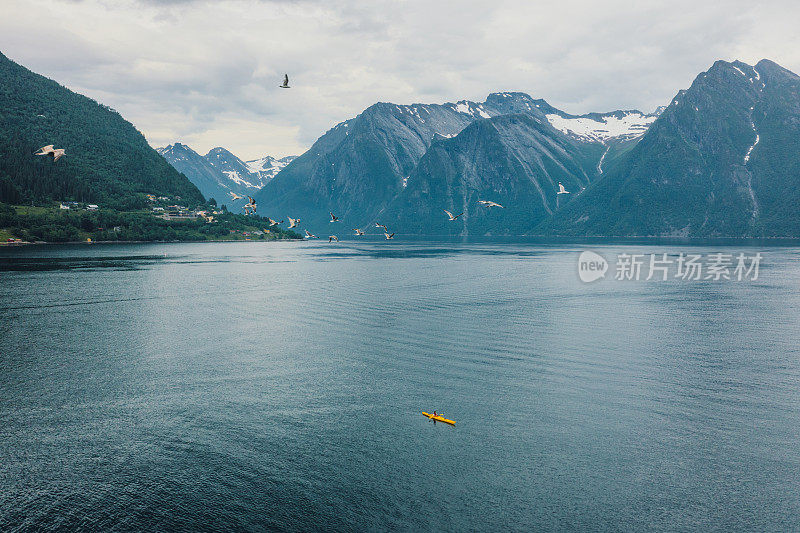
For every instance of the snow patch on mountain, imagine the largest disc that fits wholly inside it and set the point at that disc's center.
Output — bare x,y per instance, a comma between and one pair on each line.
257,165
601,128
237,178
470,108
268,167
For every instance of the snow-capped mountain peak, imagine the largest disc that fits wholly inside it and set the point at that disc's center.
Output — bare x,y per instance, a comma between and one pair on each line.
177,151
267,167
220,172
257,165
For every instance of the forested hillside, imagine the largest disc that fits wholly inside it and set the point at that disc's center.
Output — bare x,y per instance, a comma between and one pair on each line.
107,161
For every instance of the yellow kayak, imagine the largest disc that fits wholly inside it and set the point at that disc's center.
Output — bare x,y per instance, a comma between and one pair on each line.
439,418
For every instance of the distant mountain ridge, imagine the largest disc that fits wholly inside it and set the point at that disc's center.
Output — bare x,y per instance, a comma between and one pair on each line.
361,166
219,172
721,160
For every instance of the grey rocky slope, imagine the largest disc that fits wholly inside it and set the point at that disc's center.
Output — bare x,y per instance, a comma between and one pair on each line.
362,165
516,160
723,160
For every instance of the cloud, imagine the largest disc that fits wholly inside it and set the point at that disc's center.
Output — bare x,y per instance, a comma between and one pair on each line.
206,73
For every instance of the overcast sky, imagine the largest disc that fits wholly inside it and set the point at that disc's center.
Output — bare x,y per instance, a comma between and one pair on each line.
205,73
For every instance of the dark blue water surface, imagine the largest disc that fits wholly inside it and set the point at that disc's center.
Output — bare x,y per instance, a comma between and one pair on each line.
280,386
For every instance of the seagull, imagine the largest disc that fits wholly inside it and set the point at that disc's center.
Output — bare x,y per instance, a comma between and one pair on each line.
293,222
310,235
489,203
235,196
334,218
358,231
274,222
285,84
378,225
252,203
333,238
561,190
449,214
55,153
389,236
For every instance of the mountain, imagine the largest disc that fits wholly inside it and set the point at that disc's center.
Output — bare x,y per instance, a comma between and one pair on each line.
220,172
199,171
107,161
722,160
517,160
363,165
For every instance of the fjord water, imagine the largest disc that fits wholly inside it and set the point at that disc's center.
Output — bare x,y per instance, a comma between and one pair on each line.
280,385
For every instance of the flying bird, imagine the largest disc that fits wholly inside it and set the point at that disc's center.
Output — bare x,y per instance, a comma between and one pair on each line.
333,238
293,222
385,229
489,203
252,204
285,84
358,231
450,215
310,235
235,196
55,153
334,218
273,222
389,236
561,190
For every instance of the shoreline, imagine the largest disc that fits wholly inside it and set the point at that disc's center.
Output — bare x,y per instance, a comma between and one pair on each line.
50,243
509,239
